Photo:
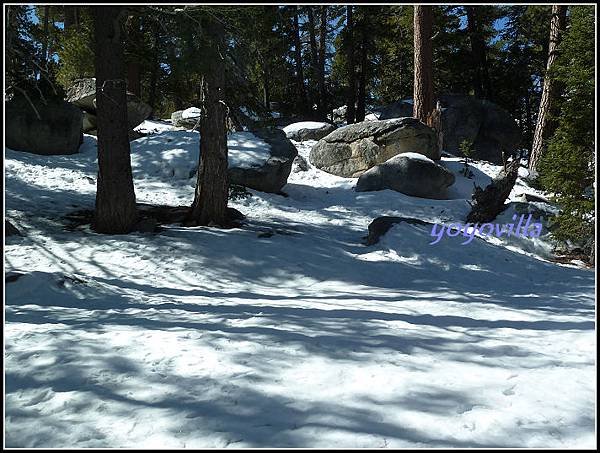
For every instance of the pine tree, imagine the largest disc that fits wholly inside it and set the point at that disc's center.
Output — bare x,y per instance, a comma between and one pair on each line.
115,197
567,167
423,75
557,26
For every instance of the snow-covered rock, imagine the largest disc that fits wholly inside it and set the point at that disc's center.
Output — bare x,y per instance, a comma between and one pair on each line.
409,173
261,160
351,150
308,130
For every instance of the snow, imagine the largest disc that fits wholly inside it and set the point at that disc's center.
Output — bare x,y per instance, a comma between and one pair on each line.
174,154
153,127
200,337
295,127
192,112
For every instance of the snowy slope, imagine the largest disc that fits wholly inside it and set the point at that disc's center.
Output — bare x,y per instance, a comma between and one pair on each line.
197,337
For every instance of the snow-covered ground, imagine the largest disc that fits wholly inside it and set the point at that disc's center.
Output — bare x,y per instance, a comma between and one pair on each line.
288,332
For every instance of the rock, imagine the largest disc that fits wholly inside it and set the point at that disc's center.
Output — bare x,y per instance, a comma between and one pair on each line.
399,109
272,175
90,122
489,127
186,118
382,225
411,174
146,225
300,164
351,150
83,94
308,130
59,131
10,229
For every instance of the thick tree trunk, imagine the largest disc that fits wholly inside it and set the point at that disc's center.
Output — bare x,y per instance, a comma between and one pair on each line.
423,82
322,51
351,96
481,79
298,58
210,201
115,197
557,25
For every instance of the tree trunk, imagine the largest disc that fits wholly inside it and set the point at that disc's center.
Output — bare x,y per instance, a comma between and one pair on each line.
351,96
134,73
115,197
362,80
322,51
70,16
298,58
266,85
557,25
155,68
481,79
210,200
423,82
314,57
489,202
46,42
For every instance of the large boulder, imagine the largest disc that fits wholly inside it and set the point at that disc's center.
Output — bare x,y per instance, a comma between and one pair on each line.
272,174
57,130
308,130
410,173
489,127
83,94
351,150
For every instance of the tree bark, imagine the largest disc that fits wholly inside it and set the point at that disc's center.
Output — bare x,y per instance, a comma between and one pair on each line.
481,80
314,57
351,96
489,202
298,58
557,25
46,41
70,16
423,81
362,80
210,200
322,52
115,197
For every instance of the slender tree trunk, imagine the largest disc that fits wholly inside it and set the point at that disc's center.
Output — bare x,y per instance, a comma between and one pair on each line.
46,41
299,70
557,25
210,201
266,85
155,67
362,80
115,197
322,52
423,82
351,97
481,78
314,58
69,12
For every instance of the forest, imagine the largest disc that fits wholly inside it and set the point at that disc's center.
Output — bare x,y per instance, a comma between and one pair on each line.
305,226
